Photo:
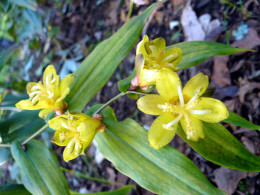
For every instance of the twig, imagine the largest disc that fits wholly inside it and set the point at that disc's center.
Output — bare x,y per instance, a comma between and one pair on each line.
35,134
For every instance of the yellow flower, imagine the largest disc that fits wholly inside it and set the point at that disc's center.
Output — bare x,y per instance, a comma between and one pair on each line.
151,57
75,131
49,95
175,105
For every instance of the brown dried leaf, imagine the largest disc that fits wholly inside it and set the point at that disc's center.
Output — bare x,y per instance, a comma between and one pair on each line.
159,17
248,144
251,41
221,75
192,28
228,179
247,88
177,3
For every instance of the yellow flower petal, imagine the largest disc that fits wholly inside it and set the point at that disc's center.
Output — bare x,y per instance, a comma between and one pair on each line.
27,105
157,135
197,84
149,104
167,84
45,112
49,74
140,47
139,65
29,87
59,138
217,110
193,127
148,77
88,129
173,56
159,43
59,123
64,86
70,155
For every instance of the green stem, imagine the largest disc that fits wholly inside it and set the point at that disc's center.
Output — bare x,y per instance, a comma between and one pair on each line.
35,134
11,108
76,173
115,98
5,145
109,102
130,10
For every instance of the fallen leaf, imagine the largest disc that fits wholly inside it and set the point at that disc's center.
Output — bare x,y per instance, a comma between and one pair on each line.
230,104
221,75
111,12
256,102
247,88
228,179
248,144
251,41
192,28
177,3
141,2
159,17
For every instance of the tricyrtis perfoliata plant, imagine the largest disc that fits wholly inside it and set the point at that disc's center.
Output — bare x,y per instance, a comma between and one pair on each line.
144,156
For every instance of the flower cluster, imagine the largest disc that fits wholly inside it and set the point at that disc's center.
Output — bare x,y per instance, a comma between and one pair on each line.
151,57
174,104
73,130
47,95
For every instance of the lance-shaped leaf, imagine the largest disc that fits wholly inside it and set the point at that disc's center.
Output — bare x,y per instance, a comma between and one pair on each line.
20,125
13,189
221,147
237,120
40,172
122,191
5,54
97,68
163,171
195,52
5,155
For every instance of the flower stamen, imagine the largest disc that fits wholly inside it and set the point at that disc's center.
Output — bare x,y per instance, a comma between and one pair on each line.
180,95
169,125
200,111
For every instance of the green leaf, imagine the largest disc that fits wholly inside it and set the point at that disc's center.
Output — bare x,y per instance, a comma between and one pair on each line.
237,120
5,54
195,52
122,191
221,147
29,4
5,155
13,189
164,171
10,100
40,172
97,68
20,125
124,84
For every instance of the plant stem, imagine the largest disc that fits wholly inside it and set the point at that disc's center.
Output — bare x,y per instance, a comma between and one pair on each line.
130,10
76,173
109,102
11,108
5,145
35,134
115,98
